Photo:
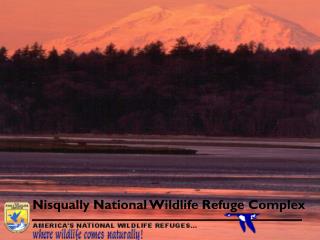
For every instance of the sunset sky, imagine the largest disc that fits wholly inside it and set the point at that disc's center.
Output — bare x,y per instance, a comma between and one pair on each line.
26,21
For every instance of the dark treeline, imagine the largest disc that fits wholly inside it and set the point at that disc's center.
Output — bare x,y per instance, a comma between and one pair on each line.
190,90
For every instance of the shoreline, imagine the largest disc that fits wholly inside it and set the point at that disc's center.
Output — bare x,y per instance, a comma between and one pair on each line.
145,143
69,146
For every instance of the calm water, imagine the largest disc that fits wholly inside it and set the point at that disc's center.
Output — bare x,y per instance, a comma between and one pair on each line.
217,173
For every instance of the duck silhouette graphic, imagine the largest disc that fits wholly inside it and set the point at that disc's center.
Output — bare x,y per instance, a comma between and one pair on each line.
245,219
15,216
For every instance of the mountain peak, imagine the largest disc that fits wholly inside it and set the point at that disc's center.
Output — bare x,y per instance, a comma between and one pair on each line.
153,9
247,7
203,23
150,11
153,14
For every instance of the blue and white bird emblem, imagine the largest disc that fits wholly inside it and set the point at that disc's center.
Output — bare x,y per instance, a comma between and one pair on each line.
15,216
245,219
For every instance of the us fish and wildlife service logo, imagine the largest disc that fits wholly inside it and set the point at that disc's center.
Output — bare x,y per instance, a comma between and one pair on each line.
17,216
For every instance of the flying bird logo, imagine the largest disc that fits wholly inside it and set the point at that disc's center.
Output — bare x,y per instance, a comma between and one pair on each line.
17,216
14,216
245,219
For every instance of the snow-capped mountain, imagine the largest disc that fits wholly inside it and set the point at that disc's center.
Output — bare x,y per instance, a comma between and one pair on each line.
201,23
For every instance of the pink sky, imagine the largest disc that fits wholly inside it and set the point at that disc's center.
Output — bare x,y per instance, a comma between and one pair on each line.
26,21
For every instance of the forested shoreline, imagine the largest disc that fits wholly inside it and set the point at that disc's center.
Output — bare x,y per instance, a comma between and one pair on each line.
190,89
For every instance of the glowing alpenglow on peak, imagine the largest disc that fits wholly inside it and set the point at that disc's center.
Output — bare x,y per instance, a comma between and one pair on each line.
200,23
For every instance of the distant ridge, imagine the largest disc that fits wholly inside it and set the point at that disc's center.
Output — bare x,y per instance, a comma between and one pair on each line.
200,23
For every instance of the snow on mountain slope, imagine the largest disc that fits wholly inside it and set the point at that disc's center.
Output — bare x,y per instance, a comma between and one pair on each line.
201,23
